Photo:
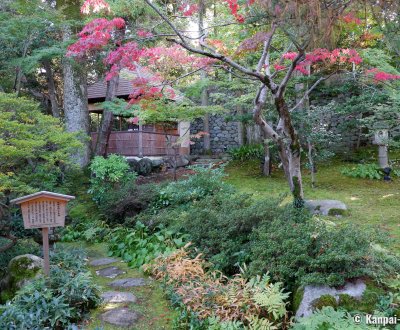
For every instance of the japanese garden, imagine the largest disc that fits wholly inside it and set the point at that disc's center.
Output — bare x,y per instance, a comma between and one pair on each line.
195,164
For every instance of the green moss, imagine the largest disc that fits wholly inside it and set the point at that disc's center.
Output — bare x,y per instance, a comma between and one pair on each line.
372,203
323,301
366,304
334,212
297,298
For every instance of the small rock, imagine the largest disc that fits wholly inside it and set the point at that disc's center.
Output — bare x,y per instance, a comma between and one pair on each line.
21,270
110,272
102,262
121,317
118,297
128,282
326,207
313,292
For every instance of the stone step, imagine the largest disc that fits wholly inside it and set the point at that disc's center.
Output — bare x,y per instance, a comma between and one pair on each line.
128,282
121,317
102,262
110,272
115,297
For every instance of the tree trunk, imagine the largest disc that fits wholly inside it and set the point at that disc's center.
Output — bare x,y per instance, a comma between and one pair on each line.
105,128
52,89
266,168
204,92
290,152
75,103
313,167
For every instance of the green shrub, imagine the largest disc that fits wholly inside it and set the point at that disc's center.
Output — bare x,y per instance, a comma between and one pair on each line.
297,252
138,246
205,182
56,301
367,171
109,175
246,152
128,202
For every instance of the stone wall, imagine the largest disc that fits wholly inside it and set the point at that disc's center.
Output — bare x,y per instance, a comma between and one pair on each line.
223,135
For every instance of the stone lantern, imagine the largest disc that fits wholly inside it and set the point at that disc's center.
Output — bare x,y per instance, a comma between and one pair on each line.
381,139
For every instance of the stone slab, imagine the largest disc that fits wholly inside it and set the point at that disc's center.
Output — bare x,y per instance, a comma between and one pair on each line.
116,297
128,282
102,262
323,206
313,292
121,317
110,272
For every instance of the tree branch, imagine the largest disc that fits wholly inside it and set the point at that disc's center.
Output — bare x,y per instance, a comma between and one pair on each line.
308,92
285,80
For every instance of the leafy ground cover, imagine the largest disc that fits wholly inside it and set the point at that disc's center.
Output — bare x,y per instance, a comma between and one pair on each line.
370,202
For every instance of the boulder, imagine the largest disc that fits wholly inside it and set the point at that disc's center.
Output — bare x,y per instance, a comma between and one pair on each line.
314,292
326,207
20,271
181,161
157,163
145,166
133,164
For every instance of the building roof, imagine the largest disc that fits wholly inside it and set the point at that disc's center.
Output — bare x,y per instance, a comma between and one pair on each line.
97,91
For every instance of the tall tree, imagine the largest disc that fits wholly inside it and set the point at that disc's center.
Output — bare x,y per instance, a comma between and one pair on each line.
75,86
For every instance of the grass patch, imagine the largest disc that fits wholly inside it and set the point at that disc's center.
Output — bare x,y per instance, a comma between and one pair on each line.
370,202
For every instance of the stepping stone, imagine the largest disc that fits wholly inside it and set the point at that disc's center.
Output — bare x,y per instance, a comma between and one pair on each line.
118,297
110,272
121,317
326,206
128,282
102,261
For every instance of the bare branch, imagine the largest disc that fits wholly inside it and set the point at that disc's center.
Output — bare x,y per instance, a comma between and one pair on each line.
222,58
308,92
267,45
285,80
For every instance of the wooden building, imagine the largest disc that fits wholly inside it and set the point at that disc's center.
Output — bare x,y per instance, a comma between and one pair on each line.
128,139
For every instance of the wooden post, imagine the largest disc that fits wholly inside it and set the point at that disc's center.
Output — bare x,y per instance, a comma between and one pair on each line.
140,140
45,234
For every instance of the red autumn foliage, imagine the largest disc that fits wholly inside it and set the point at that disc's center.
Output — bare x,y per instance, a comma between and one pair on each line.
95,35
381,75
188,9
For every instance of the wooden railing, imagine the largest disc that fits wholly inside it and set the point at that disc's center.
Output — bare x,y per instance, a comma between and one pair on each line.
139,143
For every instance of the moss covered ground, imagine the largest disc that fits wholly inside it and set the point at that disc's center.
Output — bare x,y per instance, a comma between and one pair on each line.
371,203
152,305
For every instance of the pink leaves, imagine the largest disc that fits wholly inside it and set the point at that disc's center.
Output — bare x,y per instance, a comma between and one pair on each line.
144,34
351,19
234,7
95,6
324,56
381,75
95,35
188,9
289,56
279,67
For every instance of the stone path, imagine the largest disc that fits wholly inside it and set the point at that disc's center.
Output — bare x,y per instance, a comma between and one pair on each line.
117,315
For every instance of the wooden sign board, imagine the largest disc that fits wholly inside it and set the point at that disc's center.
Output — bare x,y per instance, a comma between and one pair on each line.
43,209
